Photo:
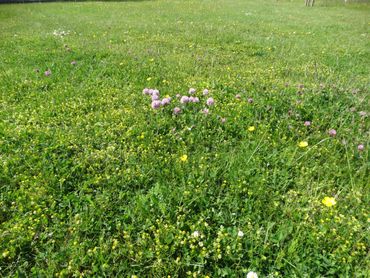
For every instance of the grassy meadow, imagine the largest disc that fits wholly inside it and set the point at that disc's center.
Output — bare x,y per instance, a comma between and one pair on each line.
263,167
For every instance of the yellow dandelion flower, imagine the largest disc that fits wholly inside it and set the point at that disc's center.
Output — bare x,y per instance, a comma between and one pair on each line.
251,128
303,144
329,201
184,158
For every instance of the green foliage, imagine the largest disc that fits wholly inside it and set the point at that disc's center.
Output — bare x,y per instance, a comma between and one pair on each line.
91,177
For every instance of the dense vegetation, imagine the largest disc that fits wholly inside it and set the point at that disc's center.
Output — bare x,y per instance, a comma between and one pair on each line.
268,172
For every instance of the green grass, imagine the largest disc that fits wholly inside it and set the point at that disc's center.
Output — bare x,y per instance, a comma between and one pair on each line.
91,178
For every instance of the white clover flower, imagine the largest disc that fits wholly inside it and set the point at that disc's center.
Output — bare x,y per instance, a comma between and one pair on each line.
196,234
240,234
252,274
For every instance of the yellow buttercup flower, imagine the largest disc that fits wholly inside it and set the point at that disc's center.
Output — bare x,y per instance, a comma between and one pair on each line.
183,158
251,128
303,144
329,201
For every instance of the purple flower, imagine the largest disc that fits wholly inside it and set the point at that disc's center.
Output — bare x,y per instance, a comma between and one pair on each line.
332,132
205,111
196,100
146,91
155,97
166,101
307,123
156,104
184,99
176,110
223,120
360,147
250,100
238,96
73,63
151,92
192,91
210,101
205,92
155,92
191,99
48,72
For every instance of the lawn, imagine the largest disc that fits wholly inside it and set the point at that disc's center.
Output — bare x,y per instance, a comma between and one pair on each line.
263,166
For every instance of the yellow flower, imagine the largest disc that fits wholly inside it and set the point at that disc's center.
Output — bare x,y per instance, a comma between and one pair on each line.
5,254
329,201
183,158
303,144
251,128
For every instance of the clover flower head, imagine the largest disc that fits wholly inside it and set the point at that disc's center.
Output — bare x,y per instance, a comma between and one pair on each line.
360,147
210,101
176,110
146,91
205,92
155,92
155,97
156,104
166,100
252,274
48,72
332,132
184,99
205,111
307,123
250,100
238,96
192,91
